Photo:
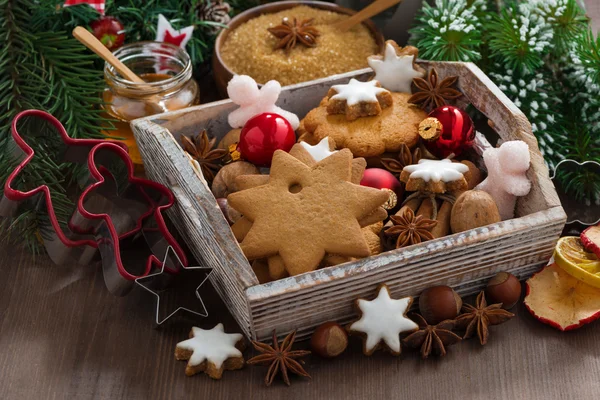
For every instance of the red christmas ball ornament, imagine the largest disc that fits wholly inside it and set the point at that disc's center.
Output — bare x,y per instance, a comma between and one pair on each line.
262,135
382,179
110,31
447,130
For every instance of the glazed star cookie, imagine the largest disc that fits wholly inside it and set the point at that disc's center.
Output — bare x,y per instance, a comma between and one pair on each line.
381,322
435,176
371,136
304,212
211,351
358,99
397,68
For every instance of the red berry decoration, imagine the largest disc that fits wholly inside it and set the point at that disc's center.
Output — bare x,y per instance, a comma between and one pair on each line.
382,179
262,135
448,130
110,31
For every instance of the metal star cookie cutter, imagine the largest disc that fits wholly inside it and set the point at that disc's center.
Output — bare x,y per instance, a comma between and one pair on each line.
88,231
153,283
587,212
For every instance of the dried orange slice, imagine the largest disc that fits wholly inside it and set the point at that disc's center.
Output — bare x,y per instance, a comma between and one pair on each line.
560,300
571,256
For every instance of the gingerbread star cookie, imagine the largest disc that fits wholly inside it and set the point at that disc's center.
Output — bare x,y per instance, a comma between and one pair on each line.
435,176
397,68
211,351
358,99
370,136
381,322
304,212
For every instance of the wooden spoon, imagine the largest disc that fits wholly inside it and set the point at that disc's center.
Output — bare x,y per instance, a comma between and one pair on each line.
372,9
91,42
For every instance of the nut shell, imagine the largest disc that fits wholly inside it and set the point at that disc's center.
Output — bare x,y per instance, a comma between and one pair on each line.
439,303
503,288
473,209
224,182
329,340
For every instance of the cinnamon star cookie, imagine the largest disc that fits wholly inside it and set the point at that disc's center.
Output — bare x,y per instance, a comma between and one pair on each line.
304,212
381,322
211,351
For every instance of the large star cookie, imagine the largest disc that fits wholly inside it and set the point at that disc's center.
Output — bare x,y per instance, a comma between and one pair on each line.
211,351
381,322
368,136
397,68
305,212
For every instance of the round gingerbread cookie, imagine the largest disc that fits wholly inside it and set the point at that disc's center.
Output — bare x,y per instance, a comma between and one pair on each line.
370,136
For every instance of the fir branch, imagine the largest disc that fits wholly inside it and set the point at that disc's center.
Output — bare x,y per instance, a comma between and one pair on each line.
587,55
447,31
566,19
536,96
519,38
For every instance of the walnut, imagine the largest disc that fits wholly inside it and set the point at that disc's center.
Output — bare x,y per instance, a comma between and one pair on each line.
224,182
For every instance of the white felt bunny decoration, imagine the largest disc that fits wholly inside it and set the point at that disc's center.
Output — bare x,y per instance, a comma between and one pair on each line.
244,91
507,167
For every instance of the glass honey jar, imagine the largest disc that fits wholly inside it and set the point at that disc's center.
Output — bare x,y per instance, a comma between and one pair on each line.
169,86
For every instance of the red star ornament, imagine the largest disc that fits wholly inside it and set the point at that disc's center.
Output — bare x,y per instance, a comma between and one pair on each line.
166,34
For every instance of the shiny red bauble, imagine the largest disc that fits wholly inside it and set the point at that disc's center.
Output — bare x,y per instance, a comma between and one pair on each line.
457,132
110,31
262,135
382,179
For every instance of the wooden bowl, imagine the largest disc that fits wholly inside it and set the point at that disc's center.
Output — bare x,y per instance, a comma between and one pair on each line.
222,73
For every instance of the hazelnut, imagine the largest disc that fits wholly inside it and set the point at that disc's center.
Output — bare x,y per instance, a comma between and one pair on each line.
329,340
224,182
439,303
472,209
503,288
231,137
230,213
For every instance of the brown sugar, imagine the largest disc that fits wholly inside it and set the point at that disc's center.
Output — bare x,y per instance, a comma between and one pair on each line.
250,49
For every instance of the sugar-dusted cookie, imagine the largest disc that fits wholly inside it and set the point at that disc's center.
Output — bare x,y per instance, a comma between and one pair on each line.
397,68
211,351
368,136
435,176
381,322
304,212
358,99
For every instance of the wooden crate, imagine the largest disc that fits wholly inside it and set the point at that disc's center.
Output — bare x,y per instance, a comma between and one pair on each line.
464,261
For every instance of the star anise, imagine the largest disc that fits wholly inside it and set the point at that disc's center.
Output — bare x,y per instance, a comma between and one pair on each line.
404,158
201,149
479,317
433,93
290,33
410,229
432,338
280,357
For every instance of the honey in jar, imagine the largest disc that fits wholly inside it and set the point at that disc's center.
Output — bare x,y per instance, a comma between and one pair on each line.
168,86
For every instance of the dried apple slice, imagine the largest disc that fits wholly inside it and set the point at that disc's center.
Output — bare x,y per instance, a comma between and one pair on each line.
590,238
571,256
558,299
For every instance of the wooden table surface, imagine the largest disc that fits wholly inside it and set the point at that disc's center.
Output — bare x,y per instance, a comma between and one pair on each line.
63,336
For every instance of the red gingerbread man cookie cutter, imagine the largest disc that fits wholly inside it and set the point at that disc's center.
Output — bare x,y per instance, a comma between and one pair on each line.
114,211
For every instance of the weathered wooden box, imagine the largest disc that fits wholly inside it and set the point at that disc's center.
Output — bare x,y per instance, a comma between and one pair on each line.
464,261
